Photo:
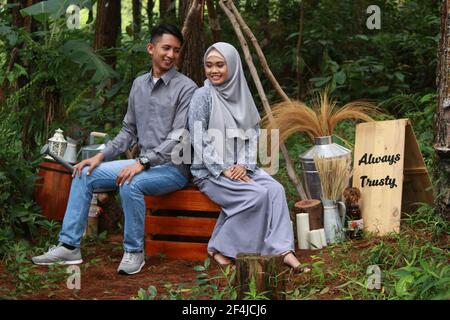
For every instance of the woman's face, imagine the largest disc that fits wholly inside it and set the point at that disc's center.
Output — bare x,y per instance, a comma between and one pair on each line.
216,69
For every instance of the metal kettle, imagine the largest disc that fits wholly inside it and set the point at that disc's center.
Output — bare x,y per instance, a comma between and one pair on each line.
71,151
92,149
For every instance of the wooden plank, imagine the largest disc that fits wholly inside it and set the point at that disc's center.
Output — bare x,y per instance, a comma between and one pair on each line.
419,187
181,226
190,199
54,166
176,250
380,202
416,171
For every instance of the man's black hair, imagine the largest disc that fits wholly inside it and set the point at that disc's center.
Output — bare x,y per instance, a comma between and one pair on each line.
159,30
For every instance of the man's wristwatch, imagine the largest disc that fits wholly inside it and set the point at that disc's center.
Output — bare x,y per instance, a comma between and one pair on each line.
144,161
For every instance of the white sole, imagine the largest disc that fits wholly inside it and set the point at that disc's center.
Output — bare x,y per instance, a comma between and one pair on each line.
59,262
137,271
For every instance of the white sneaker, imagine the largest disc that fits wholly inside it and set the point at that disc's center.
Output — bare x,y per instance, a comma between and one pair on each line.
58,255
132,263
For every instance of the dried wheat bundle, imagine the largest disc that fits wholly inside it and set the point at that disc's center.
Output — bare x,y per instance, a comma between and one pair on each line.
334,175
316,121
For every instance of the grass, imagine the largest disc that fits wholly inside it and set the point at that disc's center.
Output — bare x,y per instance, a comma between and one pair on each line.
23,275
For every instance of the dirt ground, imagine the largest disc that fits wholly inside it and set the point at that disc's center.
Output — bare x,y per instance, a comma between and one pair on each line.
99,278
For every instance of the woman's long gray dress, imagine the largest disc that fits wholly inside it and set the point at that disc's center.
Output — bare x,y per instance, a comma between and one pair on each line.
255,216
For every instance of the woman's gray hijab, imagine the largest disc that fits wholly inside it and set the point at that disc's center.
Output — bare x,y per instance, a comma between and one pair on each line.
232,104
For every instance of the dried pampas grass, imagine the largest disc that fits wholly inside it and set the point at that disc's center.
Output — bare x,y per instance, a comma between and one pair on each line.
334,175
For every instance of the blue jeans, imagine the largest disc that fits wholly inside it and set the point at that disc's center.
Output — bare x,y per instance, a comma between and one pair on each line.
155,181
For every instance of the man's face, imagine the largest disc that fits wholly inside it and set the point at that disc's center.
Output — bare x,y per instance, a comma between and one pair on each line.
164,52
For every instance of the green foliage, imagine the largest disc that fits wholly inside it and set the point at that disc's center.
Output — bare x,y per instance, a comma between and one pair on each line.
44,10
148,294
253,293
362,63
23,274
51,85
217,286
425,279
19,215
82,54
426,219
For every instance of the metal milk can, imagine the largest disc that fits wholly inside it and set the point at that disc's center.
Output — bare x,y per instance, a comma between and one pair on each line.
323,147
333,220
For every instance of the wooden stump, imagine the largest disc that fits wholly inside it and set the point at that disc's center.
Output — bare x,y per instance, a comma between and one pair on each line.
267,272
314,208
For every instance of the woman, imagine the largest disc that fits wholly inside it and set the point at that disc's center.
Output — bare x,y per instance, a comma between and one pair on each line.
223,121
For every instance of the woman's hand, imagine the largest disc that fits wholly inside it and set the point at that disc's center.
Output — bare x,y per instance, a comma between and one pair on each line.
238,171
229,173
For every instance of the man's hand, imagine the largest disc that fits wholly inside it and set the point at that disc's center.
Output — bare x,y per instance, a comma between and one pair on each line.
91,162
127,173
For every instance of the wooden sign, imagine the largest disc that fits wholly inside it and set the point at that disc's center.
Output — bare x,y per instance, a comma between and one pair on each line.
390,172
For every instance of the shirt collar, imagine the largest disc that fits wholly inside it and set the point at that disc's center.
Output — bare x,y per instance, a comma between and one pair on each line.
166,77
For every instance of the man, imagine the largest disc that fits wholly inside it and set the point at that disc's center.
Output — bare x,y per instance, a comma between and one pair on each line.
157,108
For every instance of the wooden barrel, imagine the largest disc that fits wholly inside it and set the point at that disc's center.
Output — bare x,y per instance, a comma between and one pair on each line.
52,189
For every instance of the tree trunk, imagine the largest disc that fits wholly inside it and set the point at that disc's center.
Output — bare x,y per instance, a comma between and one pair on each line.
265,273
17,19
183,11
213,20
150,5
191,58
136,18
30,25
167,10
442,134
313,208
299,53
107,27
263,27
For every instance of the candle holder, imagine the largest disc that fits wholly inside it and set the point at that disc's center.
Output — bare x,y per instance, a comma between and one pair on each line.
57,144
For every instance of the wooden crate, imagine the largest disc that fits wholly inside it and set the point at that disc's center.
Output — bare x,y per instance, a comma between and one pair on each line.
183,230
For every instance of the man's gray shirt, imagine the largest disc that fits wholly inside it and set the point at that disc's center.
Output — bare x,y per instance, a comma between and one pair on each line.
156,111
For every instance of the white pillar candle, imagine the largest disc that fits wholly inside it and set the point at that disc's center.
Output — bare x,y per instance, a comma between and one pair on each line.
302,230
323,238
315,240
